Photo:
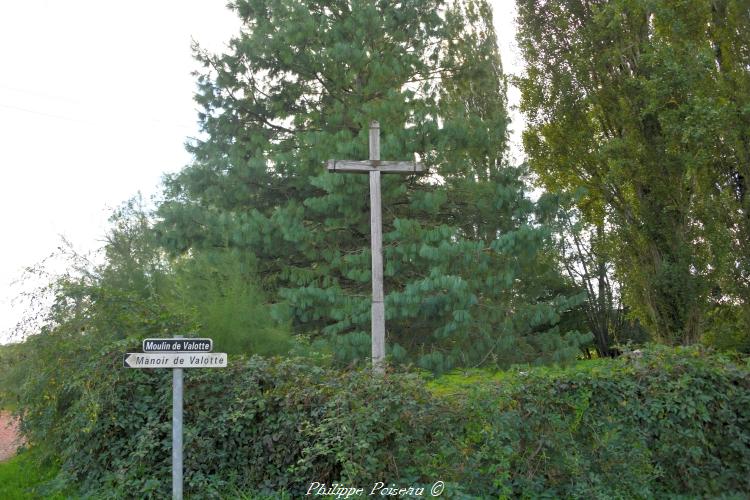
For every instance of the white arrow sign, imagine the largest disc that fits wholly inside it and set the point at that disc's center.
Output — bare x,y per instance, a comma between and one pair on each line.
175,360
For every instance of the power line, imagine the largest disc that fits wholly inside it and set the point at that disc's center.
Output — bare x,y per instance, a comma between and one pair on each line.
40,113
40,94
89,122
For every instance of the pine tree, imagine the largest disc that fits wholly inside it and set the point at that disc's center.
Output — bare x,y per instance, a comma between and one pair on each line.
465,284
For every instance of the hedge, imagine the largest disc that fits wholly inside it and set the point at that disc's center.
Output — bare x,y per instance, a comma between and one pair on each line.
665,422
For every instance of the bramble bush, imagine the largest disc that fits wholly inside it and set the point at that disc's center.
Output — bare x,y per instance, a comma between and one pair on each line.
668,421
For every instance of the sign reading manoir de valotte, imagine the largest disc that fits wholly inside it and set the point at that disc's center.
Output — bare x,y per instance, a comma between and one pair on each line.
175,360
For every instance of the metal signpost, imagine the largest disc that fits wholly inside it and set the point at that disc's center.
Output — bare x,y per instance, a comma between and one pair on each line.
176,353
374,166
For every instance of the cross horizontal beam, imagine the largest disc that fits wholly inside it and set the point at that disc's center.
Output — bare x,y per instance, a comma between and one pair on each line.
363,167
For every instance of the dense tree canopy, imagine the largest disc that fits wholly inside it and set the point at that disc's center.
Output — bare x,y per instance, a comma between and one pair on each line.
646,105
465,283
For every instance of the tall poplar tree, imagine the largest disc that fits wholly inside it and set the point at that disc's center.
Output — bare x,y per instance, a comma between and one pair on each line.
464,281
644,103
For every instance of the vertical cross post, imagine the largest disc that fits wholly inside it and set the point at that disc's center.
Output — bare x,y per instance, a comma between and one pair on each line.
376,239
374,166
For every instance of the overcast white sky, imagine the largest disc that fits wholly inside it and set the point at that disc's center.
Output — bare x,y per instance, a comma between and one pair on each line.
96,102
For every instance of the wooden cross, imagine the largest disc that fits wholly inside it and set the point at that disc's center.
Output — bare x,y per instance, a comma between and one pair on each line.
374,166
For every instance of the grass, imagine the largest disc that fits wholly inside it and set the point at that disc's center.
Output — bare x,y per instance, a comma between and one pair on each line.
458,381
22,478
8,406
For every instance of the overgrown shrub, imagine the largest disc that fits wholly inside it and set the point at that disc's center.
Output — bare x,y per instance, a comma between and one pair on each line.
663,421
653,424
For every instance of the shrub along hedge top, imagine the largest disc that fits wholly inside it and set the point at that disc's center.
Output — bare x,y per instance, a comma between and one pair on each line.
665,421
671,421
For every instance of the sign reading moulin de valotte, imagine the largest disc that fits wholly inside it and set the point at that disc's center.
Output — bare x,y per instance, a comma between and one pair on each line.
178,345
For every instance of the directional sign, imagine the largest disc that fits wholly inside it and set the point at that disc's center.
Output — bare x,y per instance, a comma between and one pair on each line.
178,345
175,360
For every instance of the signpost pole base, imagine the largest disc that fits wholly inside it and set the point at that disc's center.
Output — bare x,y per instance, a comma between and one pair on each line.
177,434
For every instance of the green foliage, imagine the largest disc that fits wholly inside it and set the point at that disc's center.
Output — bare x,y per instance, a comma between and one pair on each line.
24,477
584,253
652,424
10,380
217,290
728,328
465,283
645,105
